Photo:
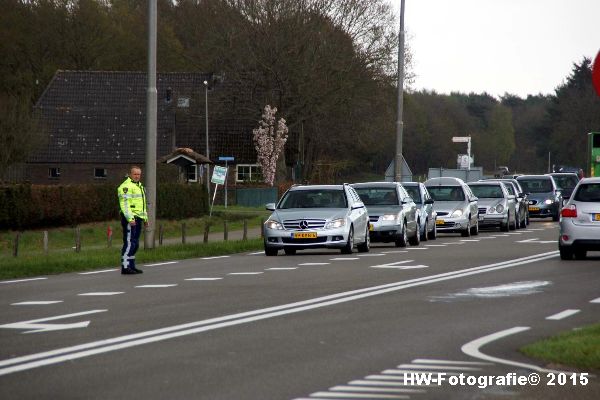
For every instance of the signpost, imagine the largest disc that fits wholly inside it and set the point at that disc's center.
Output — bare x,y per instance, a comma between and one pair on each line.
219,177
467,140
226,159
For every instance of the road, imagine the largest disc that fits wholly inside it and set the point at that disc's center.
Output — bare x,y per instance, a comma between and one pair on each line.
318,325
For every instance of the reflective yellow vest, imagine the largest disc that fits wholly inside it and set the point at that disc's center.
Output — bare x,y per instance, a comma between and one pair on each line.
132,200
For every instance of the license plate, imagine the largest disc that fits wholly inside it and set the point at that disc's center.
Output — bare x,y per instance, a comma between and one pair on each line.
596,217
439,222
534,209
371,227
304,235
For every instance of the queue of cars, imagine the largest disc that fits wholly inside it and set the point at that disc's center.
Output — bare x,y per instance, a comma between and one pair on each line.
352,216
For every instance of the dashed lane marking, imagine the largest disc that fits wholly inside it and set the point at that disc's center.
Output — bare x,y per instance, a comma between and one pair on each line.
203,279
596,300
562,315
281,268
156,286
344,259
24,280
36,303
100,294
315,263
98,272
214,258
245,273
163,263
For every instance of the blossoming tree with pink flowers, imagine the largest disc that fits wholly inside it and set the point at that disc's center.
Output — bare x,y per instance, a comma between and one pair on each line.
269,139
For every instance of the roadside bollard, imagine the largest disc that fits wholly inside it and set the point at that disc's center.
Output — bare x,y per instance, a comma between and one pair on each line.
262,232
109,234
183,232
245,237
160,235
225,230
45,241
206,231
16,244
77,240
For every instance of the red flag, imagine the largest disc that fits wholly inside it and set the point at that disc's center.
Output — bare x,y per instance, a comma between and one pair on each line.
596,73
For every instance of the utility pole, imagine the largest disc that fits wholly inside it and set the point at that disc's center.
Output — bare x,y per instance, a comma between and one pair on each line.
399,124
207,148
151,110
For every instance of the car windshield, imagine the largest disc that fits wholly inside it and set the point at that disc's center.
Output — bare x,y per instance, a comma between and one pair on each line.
536,185
414,192
589,192
378,196
446,193
565,181
317,198
487,191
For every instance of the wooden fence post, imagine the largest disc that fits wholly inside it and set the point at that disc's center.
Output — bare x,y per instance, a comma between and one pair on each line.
183,232
206,231
16,244
77,240
160,235
45,242
245,237
225,230
262,223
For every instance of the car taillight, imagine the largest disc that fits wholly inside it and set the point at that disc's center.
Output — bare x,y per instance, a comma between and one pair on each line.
569,212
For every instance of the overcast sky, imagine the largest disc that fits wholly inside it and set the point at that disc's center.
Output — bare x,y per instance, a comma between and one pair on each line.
496,46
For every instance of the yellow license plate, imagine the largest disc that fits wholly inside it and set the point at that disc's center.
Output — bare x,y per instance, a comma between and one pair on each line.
304,235
371,227
596,217
439,222
534,209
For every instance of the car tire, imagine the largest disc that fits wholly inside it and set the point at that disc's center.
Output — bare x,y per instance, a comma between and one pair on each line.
467,231
513,226
424,237
580,254
415,240
270,251
289,251
556,217
566,253
365,246
475,229
402,240
504,227
433,234
347,249
524,222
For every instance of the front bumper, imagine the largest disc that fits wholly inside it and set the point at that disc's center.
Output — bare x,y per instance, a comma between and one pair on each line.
451,224
542,210
328,238
492,219
384,231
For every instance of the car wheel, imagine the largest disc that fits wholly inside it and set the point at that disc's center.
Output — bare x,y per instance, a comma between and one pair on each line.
424,235
467,231
556,217
433,234
504,226
269,251
347,249
415,240
403,238
524,222
289,251
580,254
365,246
475,229
512,226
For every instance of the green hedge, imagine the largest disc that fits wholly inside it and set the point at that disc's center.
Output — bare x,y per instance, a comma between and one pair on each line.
38,206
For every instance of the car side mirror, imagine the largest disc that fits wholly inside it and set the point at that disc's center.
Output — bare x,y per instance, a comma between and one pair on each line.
357,205
270,206
512,197
429,201
522,195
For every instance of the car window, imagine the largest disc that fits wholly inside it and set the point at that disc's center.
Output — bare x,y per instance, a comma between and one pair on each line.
536,185
414,192
565,181
510,188
589,192
446,193
378,196
487,191
317,198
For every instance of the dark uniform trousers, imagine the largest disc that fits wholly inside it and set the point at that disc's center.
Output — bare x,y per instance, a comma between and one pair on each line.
131,241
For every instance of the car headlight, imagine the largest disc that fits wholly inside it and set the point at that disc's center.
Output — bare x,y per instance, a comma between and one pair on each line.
336,223
272,224
499,208
389,217
457,213
548,201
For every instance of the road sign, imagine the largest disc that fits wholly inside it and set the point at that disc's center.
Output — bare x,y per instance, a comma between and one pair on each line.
461,139
596,73
223,158
219,175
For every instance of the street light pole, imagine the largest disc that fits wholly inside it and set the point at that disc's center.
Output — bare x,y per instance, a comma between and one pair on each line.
399,124
151,124
207,148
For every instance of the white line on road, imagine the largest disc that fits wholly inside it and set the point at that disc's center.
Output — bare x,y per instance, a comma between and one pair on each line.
157,286
36,325
394,252
315,263
447,362
562,315
163,263
343,388
36,303
100,294
99,272
24,280
357,395
203,279
401,372
416,248
281,268
214,258
245,273
435,245
344,259
23,363
596,300
384,383
256,253
435,366
527,240
371,255
470,240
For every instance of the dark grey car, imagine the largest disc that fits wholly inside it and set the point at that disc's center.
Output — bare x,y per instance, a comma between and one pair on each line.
427,214
545,199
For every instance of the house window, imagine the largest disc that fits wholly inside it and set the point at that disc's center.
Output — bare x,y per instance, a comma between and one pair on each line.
100,173
192,173
248,173
54,173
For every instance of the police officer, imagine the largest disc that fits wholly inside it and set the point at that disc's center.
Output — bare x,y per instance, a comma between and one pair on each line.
132,202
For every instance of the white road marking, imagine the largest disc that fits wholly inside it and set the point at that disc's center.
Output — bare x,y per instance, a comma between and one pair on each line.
36,325
245,273
98,272
23,363
453,243
214,258
596,300
394,252
256,253
470,240
488,237
435,366
156,286
562,315
344,259
36,303
435,245
537,229
504,235
401,372
527,240
392,265
163,263
315,263
342,388
24,280
384,383
416,248
371,255
472,349
281,268
203,279
447,362
357,395
100,294
514,233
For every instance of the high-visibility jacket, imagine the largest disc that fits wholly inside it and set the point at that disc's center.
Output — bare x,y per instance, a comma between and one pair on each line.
132,200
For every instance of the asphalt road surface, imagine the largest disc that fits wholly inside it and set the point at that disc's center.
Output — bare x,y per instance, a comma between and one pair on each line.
429,322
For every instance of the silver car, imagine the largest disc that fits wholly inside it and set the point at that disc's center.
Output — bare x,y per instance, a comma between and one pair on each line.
515,188
316,216
497,207
392,212
580,221
455,204
427,214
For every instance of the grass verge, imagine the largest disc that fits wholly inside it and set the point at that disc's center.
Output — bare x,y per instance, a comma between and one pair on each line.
56,263
579,348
